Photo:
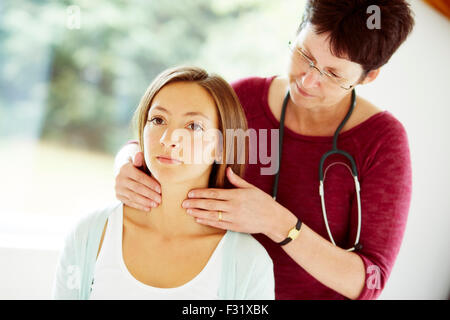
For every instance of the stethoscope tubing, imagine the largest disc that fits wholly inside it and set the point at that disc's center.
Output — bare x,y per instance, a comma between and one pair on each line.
334,150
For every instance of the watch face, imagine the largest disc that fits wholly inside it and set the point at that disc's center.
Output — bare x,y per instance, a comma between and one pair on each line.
293,233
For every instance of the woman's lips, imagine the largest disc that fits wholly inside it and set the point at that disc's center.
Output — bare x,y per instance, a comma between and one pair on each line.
302,92
168,160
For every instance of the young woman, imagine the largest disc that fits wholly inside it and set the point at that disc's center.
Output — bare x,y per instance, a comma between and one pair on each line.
335,50
125,253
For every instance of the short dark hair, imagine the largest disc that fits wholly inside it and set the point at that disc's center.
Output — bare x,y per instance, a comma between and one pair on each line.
346,23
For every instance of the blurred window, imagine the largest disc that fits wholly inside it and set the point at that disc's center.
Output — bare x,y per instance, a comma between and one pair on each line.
72,73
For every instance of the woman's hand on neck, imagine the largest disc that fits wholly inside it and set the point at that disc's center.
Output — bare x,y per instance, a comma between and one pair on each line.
170,218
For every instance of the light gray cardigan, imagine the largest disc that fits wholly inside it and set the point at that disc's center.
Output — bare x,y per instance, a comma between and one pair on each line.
247,270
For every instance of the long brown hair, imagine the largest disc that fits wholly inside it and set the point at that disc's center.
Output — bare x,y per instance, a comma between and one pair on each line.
230,111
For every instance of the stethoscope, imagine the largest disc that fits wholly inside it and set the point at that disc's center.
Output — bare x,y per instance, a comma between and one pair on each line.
322,175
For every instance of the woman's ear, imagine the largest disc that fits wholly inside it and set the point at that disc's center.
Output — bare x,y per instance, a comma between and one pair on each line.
372,75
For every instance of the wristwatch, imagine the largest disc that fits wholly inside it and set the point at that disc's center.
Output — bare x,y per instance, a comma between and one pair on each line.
293,234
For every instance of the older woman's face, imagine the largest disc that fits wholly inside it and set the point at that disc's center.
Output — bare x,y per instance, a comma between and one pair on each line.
308,87
182,123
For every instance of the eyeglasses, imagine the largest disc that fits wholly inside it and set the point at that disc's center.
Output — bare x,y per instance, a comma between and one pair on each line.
305,61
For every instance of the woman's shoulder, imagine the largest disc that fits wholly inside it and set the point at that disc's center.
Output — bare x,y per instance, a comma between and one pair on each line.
252,89
371,123
249,83
363,111
92,223
252,93
275,95
379,126
249,268
381,141
77,257
247,248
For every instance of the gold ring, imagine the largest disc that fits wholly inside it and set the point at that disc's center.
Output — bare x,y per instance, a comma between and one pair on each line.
220,215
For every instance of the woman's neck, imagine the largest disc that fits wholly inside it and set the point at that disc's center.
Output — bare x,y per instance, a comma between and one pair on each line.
319,121
170,218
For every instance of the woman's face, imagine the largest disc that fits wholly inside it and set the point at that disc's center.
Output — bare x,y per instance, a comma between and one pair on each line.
182,125
307,86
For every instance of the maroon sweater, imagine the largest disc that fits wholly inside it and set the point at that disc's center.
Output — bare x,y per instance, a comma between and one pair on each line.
379,146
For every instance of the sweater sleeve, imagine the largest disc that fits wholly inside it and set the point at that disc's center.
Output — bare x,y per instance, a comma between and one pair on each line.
254,271
262,283
385,200
67,280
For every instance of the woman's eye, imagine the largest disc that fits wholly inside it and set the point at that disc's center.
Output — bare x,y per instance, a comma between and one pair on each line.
156,120
195,126
307,57
333,75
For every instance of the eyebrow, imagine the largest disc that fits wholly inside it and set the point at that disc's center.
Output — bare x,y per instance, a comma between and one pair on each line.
186,114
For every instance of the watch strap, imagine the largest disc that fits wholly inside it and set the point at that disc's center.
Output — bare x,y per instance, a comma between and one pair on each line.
289,239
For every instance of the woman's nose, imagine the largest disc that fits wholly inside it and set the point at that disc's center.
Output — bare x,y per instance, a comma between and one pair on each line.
170,138
311,78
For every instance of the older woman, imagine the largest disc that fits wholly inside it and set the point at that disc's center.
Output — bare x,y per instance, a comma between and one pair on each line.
365,191
122,253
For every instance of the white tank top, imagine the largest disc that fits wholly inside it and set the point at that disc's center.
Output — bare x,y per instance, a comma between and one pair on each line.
112,280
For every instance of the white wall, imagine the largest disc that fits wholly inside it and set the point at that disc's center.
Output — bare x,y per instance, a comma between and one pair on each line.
414,86
27,273
29,253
